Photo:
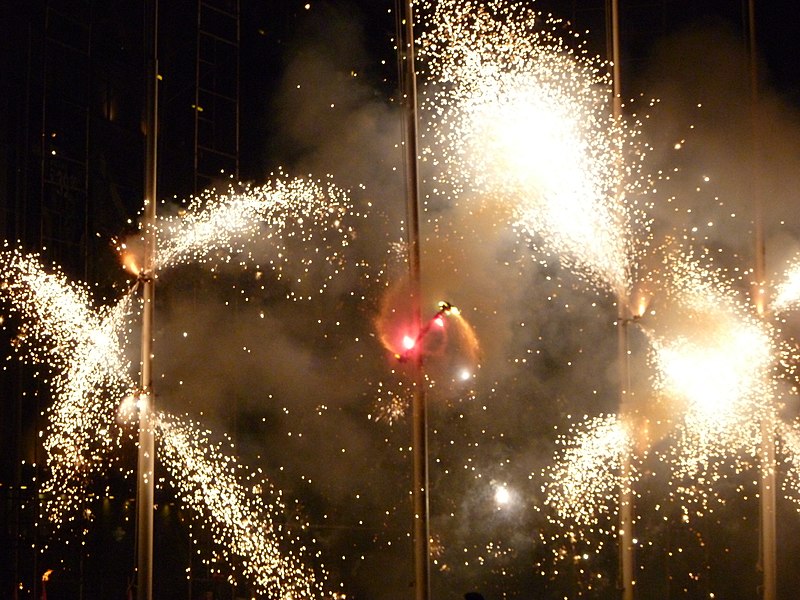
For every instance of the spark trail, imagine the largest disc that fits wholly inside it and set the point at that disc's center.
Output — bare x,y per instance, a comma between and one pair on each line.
93,392
291,215
242,512
81,348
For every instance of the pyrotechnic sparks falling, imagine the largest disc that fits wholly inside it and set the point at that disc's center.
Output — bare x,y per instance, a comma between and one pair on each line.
713,331
787,293
790,447
582,487
520,117
242,519
94,394
584,481
81,347
739,358
715,363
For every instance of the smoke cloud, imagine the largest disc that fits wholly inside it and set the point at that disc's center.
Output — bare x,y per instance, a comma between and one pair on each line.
298,383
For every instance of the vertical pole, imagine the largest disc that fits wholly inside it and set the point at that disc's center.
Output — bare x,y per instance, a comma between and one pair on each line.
768,558
768,510
419,408
146,457
626,549
615,59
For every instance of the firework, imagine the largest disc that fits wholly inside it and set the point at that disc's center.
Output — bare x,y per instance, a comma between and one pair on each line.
787,293
713,367
240,510
297,222
95,399
81,346
712,330
520,117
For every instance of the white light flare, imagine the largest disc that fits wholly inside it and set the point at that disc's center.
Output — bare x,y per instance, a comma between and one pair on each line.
502,495
409,342
716,373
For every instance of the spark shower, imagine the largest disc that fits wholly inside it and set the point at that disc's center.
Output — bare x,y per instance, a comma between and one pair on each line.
518,138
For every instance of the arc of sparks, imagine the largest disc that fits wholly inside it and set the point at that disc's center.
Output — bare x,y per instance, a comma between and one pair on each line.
94,392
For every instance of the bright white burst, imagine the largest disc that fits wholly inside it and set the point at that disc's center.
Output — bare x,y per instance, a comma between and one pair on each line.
715,361
787,293
521,118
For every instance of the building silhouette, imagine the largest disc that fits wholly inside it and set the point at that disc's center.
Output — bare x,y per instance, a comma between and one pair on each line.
72,83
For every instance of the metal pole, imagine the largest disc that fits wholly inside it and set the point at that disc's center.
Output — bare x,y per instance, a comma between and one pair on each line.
626,546
419,409
626,549
146,458
768,510
625,534
615,59
768,558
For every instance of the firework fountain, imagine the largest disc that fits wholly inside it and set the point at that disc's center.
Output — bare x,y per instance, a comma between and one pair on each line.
520,120
493,73
521,124
96,401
